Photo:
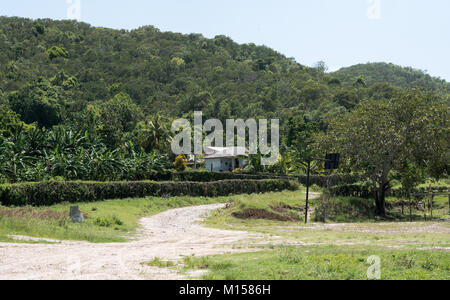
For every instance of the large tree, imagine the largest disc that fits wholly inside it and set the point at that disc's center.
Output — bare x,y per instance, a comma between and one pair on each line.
378,137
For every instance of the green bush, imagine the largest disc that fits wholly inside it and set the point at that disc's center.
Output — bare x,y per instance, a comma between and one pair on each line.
365,190
49,193
344,209
205,176
108,221
360,190
400,193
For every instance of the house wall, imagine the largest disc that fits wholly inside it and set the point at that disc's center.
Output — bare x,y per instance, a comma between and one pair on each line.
224,164
214,165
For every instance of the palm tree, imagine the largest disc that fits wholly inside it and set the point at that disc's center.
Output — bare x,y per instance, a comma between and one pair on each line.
360,82
154,133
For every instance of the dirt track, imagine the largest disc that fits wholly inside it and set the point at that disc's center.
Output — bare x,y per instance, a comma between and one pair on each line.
169,235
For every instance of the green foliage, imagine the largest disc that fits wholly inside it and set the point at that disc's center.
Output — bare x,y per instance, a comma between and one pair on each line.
322,263
38,29
49,193
122,86
10,122
53,222
344,209
383,72
39,154
55,52
108,221
205,176
360,190
118,116
180,163
158,262
172,74
154,133
379,137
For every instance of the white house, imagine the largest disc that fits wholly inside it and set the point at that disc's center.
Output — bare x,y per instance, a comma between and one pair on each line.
225,159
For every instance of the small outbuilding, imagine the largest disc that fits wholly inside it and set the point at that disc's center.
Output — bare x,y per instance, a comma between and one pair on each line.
228,159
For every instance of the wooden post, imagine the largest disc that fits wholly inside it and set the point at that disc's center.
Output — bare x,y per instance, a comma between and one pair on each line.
410,209
425,210
449,204
431,206
307,190
327,197
429,199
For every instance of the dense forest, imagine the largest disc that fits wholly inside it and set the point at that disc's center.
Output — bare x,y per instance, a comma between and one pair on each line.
53,70
73,93
398,76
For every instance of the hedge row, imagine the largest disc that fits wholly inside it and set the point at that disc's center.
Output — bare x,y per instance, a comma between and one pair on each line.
359,190
49,193
365,190
321,181
205,176
399,193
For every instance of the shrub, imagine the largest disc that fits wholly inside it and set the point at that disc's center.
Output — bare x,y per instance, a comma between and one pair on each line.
344,209
401,193
365,190
49,193
108,221
205,176
56,51
360,190
180,163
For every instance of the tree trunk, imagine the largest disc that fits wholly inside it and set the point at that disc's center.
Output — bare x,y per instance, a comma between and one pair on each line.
380,200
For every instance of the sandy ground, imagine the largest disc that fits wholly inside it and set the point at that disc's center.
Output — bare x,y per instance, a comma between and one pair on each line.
169,235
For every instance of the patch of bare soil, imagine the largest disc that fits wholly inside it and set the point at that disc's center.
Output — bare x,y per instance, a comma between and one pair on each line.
169,236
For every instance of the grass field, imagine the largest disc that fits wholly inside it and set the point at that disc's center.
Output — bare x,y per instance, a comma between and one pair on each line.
290,249
417,250
107,221
323,263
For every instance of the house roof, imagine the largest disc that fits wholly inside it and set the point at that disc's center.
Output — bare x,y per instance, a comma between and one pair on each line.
224,152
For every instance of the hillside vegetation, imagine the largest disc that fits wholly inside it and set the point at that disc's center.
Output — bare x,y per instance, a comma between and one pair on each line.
61,72
387,72
87,103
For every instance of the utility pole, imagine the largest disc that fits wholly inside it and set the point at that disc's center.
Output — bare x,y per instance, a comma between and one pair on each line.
307,191
331,163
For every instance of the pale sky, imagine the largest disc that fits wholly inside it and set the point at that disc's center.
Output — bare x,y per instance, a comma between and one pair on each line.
412,33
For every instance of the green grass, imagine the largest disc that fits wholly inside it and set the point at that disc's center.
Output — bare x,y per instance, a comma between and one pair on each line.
328,251
158,262
441,210
107,221
363,231
407,250
5,239
323,263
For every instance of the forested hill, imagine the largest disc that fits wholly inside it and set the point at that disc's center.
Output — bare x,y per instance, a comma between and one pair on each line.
396,75
66,72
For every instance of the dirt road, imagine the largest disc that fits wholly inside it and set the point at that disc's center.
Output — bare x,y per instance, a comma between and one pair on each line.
169,235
